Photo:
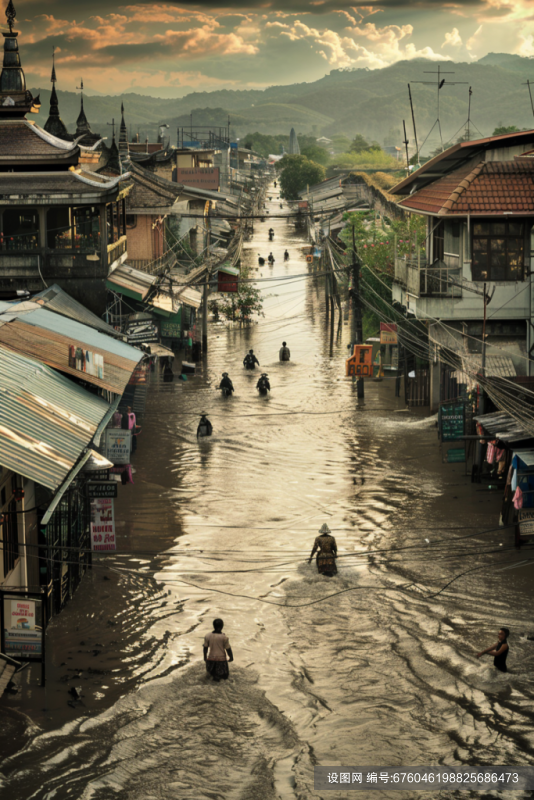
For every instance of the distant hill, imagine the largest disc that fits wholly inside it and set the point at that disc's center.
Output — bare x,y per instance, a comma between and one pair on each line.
371,102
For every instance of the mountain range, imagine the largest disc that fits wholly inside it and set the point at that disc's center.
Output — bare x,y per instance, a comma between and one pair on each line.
371,102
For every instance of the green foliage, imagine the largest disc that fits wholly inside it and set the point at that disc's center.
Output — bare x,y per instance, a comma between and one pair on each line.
316,153
505,129
297,173
238,306
265,144
368,159
359,144
375,246
340,143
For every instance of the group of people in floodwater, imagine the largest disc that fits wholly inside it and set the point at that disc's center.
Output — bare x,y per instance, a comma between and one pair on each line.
217,650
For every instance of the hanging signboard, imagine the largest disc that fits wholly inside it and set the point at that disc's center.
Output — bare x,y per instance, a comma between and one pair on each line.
23,631
99,475
388,333
104,489
103,525
452,421
142,331
118,445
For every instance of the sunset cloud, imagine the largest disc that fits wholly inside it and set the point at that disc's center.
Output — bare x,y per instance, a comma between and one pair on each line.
240,43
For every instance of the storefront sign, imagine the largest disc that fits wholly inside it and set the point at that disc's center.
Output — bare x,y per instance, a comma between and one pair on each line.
451,421
456,455
200,177
86,361
106,489
118,445
23,634
146,331
526,523
103,525
388,337
99,475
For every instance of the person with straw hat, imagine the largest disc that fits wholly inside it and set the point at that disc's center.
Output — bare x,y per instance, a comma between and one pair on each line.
326,548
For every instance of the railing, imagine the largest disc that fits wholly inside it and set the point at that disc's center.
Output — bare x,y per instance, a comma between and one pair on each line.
152,266
442,279
116,250
408,271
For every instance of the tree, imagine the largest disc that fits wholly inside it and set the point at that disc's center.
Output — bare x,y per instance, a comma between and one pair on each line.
297,173
238,306
315,153
359,144
504,129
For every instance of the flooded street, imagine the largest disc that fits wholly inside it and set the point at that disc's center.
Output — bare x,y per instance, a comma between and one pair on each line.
364,668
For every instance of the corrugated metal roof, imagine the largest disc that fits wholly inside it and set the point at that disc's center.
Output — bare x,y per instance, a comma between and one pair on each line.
55,340
56,299
503,426
189,297
46,420
133,280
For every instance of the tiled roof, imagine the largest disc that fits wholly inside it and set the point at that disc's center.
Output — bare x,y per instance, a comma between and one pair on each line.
34,184
23,139
149,190
493,187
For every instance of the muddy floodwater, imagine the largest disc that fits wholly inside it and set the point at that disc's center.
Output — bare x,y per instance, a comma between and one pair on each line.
370,667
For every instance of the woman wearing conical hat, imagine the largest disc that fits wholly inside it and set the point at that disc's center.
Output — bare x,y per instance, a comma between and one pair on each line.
326,548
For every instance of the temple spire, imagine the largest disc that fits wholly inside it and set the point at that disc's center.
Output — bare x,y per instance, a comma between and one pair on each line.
15,100
54,124
123,134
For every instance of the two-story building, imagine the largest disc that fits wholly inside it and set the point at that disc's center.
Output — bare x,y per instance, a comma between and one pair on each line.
478,199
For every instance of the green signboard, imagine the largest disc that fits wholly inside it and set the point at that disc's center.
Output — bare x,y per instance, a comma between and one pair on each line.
171,328
455,455
452,421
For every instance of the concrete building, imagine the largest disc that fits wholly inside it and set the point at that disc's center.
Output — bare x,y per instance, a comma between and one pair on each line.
478,200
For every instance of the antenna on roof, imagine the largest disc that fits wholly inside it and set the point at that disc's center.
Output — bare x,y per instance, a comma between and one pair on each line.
414,130
112,125
530,94
467,125
405,143
440,83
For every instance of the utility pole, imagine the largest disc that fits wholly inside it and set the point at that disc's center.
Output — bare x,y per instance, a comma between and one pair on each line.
206,283
356,321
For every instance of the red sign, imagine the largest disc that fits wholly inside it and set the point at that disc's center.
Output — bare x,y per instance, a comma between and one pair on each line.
390,327
303,204
226,283
199,177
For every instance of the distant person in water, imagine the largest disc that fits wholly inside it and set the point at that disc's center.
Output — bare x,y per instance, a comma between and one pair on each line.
284,354
499,651
216,648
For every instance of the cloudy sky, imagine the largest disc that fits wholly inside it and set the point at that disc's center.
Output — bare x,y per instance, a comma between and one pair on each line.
205,45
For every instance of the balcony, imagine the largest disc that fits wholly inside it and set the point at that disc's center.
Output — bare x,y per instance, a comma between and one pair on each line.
442,279
117,250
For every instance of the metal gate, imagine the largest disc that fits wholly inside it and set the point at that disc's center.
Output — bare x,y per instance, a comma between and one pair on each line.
418,388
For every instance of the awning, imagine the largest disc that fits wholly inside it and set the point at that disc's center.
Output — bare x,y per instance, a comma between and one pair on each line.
500,425
46,420
68,346
228,270
131,282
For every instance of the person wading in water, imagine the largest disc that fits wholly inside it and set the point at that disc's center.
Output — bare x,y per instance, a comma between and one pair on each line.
326,557
216,646
499,651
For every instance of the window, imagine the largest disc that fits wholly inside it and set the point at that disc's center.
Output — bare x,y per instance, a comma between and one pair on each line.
10,539
438,250
73,228
131,220
20,229
498,249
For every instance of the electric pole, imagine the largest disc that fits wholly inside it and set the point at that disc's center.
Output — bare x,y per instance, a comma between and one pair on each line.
356,321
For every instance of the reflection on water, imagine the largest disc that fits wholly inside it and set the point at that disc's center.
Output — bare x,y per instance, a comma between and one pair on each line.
359,669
